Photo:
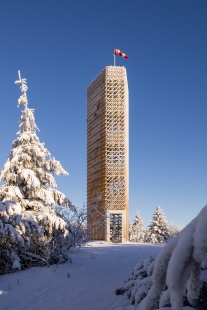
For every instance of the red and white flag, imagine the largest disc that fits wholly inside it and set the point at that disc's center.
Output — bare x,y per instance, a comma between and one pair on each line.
119,53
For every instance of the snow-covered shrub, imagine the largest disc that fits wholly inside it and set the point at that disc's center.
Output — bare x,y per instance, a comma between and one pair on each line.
137,285
96,223
77,225
31,232
139,282
179,275
158,229
136,230
96,217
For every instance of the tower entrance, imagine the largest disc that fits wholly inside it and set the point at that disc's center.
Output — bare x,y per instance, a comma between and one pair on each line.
116,228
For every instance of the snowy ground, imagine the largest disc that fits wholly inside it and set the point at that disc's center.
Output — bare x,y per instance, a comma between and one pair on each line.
95,273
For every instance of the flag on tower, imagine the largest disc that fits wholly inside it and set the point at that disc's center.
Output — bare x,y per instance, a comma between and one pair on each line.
119,53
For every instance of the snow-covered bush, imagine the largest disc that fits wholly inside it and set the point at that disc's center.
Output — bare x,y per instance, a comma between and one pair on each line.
136,230
137,285
31,232
96,223
139,282
96,217
77,225
158,229
179,275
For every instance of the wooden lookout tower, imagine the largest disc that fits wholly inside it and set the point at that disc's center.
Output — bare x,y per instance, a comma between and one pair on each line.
108,155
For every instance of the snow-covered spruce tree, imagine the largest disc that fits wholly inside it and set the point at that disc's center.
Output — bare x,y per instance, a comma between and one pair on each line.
137,229
158,229
31,232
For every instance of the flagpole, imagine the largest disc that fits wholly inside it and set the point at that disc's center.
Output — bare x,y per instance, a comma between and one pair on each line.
119,53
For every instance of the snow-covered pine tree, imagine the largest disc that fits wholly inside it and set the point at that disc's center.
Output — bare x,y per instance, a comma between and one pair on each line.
32,233
137,229
158,229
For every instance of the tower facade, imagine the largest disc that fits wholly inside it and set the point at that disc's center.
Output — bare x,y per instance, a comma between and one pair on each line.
108,155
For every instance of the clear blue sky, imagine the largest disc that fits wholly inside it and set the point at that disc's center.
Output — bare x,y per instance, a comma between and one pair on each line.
60,46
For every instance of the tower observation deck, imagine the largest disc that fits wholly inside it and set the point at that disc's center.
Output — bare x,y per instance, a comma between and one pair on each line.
108,155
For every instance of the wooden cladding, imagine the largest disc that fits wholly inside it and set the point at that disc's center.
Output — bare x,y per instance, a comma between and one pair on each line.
107,141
